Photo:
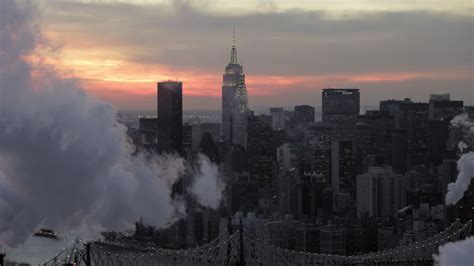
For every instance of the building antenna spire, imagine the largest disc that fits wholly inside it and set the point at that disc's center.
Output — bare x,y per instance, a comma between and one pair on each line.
233,55
233,35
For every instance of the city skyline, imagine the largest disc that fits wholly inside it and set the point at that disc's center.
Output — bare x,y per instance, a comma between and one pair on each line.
293,53
380,172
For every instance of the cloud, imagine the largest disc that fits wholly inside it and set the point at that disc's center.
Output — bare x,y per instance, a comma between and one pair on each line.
192,42
307,40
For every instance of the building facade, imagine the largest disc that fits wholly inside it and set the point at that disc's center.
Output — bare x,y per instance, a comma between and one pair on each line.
304,114
414,120
234,102
170,116
340,109
260,148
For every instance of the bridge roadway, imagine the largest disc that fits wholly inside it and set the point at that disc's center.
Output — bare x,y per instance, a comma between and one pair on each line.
242,248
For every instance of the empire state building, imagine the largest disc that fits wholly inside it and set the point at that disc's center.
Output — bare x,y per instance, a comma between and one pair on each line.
234,102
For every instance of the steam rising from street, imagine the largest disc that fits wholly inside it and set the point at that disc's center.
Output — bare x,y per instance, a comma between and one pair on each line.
465,163
206,188
64,158
456,253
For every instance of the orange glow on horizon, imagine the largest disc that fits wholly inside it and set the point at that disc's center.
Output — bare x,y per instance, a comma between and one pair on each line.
109,75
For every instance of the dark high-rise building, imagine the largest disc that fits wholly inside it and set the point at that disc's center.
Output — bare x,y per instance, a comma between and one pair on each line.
234,102
278,118
260,148
209,148
332,239
340,109
342,166
148,127
380,192
441,111
304,114
438,138
187,137
447,171
371,144
441,107
213,128
340,101
398,150
236,159
170,116
317,153
148,123
393,108
414,120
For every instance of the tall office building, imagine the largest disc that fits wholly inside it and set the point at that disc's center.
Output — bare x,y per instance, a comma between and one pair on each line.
187,137
304,114
342,166
380,192
213,128
393,108
260,149
341,108
234,102
148,127
317,155
278,118
332,239
398,147
447,172
414,120
441,111
340,101
371,139
441,107
170,116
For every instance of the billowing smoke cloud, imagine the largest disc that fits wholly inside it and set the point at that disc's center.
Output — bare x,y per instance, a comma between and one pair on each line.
456,253
465,163
64,159
463,121
466,173
205,187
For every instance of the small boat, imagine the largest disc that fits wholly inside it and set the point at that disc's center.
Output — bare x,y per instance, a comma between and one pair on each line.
43,232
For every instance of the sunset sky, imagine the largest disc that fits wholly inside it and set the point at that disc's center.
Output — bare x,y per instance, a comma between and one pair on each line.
290,49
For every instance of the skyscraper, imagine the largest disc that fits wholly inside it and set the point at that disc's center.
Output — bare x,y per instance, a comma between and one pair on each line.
234,102
170,116
371,139
340,109
304,114
342,166
380,192
414,120
393,108
340,101
442,107
278,118
260,148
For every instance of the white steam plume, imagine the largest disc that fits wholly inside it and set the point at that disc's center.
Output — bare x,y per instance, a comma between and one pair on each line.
466,173
456,253
206,188
465,163
463,121
64,158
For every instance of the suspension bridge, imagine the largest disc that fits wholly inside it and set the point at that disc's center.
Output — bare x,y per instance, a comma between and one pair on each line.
242,248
